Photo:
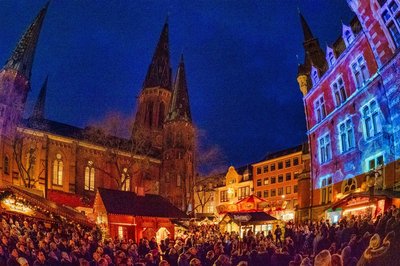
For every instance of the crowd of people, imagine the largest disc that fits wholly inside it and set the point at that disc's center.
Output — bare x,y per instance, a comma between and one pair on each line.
352,241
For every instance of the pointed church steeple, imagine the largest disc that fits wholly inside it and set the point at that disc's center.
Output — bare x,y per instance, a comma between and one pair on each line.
159,71
39,109
306,29
22,58
180,107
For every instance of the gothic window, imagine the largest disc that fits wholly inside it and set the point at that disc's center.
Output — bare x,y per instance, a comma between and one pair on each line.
326,190
371,118
178,181
349,185
390,12
89,176
339,91
319,108
346,135
330,56
58,167
325,152
125,180
161,113
360,71
6,167
149,114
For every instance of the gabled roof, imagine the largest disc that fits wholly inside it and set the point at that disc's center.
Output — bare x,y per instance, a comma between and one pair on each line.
129,203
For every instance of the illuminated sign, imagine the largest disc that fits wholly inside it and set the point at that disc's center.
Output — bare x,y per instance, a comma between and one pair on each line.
242,218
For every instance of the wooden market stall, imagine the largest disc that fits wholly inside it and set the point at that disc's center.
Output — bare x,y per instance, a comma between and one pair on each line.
244,221
126,215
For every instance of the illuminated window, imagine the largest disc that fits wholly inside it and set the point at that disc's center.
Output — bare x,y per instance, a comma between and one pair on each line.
288,176
391,18
319,108
346,135
6,167
266,181
372,121
224,196
325,151
280,191
326,190
258,182
58,170
339,91
125,180
349,185
89,176
273,192
288,190
243,192
360,71
374,162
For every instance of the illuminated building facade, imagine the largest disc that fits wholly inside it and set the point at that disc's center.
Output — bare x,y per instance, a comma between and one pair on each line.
352,100
275,180
68,166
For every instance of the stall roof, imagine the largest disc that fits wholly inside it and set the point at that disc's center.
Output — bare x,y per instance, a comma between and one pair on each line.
249,217
129,203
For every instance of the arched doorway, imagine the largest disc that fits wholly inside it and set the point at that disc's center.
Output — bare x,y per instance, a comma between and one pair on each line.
162,234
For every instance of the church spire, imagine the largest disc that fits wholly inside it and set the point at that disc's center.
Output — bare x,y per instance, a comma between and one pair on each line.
159,71
39,109
22,58
306,29
180,108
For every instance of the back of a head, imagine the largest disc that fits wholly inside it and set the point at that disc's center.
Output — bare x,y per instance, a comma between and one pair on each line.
336,260
323,258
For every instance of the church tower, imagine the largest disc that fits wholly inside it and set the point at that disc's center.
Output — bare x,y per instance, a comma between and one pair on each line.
155,97
179,146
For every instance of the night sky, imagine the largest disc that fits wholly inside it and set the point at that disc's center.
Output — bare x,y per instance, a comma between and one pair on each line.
240,57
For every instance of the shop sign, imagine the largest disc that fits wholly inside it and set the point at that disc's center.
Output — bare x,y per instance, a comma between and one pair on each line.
242,218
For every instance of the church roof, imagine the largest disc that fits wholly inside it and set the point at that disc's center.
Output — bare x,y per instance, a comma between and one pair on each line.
159,71
22,58
180,107
129,203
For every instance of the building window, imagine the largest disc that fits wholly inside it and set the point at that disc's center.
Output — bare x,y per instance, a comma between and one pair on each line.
391,18
258,170
349,37
288,176
371,118
346,135
273,192
326,190
224,196
178,180
374,162
243,192
288,189
314,76
125,180
258,194
319,108
6,167
330,56
273,180
265,193
296,161
295,188
339,91
280,165
325,152
266,169
280,178
360,71
89,176
287,163
58,170
266,181
280,191
258,182
273,167
349,185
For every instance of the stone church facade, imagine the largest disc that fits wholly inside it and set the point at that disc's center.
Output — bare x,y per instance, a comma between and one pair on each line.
67,164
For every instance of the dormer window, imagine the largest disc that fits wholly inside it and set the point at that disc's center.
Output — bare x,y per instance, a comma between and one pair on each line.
330,56
314,75
347,35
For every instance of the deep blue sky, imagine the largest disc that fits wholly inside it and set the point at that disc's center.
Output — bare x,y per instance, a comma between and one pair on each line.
240,59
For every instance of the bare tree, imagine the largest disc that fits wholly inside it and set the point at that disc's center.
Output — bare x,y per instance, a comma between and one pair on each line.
126,152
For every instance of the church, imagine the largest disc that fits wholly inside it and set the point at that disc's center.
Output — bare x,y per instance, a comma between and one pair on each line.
67,164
